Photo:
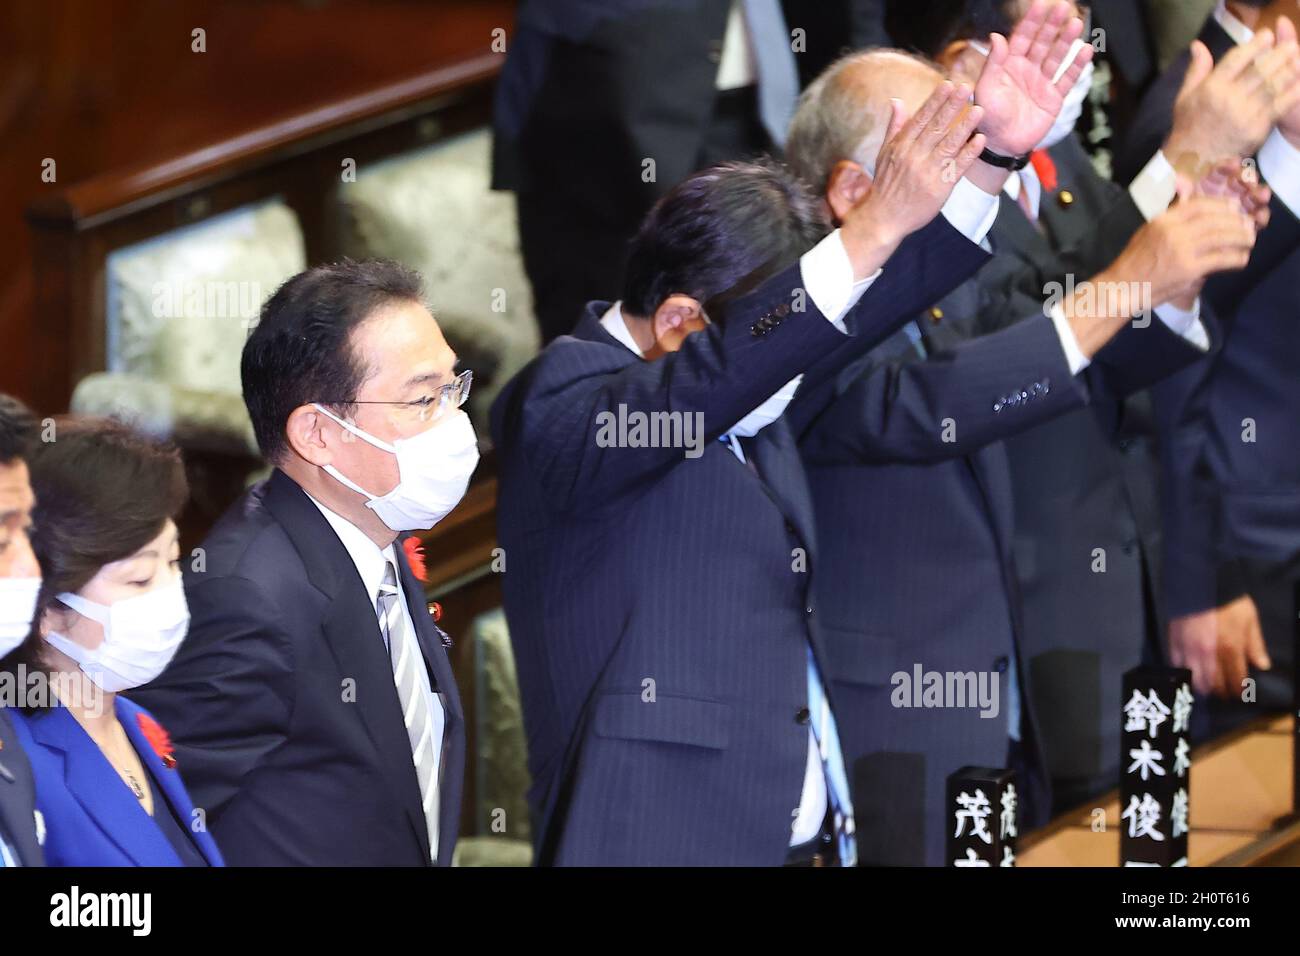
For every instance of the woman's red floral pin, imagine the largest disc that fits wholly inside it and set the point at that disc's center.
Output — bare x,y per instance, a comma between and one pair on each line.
158,740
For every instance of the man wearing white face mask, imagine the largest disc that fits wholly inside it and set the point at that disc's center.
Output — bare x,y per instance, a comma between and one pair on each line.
314,699
110,615
20,582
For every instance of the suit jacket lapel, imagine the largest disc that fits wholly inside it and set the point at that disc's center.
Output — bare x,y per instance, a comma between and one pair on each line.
95,784
13,794
351,629
168,780
1013,230
777,460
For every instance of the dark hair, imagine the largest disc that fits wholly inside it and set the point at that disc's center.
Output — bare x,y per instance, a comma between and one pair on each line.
719,233
299,352
103,491
927,28
18,430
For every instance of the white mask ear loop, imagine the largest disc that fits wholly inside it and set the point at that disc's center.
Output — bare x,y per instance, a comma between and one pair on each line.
1075,47
364,436
356,430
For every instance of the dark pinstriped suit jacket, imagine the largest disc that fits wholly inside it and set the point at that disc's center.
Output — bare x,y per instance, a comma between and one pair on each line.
915,522
657,604
17,798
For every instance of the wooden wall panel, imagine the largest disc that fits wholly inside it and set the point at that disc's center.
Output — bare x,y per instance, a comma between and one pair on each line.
103,85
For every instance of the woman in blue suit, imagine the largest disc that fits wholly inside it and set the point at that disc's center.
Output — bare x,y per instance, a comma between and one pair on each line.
110,615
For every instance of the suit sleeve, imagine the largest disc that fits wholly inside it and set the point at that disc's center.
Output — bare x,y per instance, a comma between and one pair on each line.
1142,354
1198,576
719,375
948,405
927,266
227,696
566,421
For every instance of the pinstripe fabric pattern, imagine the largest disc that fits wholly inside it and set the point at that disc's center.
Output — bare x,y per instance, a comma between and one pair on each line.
920,571
658,604
914,566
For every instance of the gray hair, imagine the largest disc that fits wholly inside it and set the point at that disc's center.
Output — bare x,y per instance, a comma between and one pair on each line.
833,122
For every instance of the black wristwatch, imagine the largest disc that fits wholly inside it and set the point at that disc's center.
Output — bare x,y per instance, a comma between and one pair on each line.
1013,163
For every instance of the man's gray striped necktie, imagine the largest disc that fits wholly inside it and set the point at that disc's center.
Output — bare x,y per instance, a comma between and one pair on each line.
404,652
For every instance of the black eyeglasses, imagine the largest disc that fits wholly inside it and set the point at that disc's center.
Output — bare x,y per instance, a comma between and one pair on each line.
430,408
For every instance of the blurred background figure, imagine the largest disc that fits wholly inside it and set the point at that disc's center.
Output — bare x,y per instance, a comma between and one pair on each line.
111,614
602,108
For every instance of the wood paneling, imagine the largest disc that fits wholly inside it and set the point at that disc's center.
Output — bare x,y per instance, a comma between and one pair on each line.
106,86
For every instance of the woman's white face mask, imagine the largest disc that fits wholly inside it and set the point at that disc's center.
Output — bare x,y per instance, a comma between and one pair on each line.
141,636
433,470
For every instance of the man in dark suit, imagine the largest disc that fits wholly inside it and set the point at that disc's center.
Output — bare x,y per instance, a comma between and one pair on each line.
20,581
1233,472
660,723
312,704
1086,537
601,108
657,583
917,422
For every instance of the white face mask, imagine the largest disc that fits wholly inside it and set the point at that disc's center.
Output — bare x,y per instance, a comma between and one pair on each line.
433,471
1072,108
141,636
17,605
768,412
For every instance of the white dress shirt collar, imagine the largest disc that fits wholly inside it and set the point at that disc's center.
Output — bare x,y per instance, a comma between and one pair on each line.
1239,32
368,557
616,326
1028,180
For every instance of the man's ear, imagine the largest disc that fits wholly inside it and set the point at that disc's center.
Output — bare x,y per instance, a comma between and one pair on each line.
847,186
962,62
311,434
677,317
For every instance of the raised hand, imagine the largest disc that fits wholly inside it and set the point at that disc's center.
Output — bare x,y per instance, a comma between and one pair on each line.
1288,109
1228,110
919,164
1019,89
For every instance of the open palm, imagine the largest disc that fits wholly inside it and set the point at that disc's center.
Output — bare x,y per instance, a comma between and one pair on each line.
1018,89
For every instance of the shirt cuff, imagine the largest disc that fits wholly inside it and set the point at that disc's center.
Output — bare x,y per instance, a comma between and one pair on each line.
1279,164
1155,187
1074,356
970,210
1186,324
828,278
